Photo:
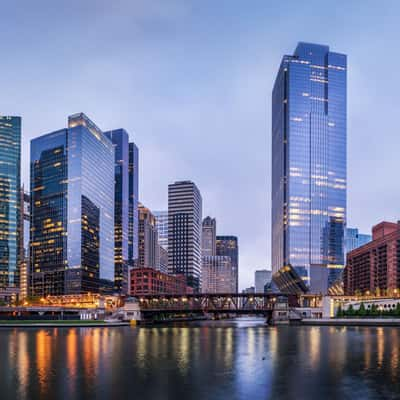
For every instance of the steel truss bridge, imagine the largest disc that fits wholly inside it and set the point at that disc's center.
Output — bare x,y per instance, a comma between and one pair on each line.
202,303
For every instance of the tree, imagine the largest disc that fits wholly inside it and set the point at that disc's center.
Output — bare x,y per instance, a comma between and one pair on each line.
339,312
350,310
397,310
361,311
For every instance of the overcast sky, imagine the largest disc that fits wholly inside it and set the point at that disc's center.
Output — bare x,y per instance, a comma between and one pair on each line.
191,82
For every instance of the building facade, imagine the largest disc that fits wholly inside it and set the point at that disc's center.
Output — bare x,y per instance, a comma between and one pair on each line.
72,210
217,275
162,227
147,281
163,259
229,246
374,268
10,203
148,240
184,231
208,237
133,225
25,216
261,278
309,165
354,239
120,140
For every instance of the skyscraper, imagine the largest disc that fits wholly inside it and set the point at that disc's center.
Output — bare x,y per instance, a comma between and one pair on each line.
208,237
309,165
162,227
133,226
261,278
72,210
25,217
149,252
354,239
10,198
120,140
184,231
229,246
217,275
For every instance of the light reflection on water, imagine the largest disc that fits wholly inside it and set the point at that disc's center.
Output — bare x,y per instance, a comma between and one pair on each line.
209,360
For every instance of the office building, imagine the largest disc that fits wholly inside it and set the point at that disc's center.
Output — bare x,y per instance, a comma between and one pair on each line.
261,278
184,231
354,239
163,259
217,275
208,237
162,227
133,225
120,140
374,267
229,246
309,165
148,240
72,210
25,215
10,184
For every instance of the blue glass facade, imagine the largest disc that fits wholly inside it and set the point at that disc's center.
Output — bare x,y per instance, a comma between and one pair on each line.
10,200
354,239
133,228
72,210
120,140
309,165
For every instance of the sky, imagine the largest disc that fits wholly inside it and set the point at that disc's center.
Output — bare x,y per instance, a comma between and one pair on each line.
191,82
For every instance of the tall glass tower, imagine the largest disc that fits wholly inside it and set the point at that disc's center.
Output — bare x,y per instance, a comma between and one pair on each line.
309,165
133,227
72,210
120,140
10,183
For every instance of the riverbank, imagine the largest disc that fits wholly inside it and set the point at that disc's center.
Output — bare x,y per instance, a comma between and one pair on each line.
352,322
58,324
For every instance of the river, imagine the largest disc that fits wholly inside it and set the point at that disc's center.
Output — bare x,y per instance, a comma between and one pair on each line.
240,359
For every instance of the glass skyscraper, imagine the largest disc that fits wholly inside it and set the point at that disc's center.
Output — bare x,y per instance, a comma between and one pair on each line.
229,246
133,228
309,165
354,239
120,139
10,199
72,210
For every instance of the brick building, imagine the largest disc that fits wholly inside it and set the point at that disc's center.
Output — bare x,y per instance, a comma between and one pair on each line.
150,281
375,266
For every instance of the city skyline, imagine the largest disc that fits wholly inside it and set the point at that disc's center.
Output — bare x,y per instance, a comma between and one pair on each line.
159,114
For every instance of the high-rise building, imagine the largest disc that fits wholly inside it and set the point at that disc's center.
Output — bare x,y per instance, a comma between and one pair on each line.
184,231
261,278
208,237
228,246
133,226
120,140
373,268
309,165
354,239
148,240
25,216
72,210
217,275
10,198
163,259
162,227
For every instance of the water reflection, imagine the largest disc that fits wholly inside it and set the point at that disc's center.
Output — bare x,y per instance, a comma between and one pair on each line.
210,360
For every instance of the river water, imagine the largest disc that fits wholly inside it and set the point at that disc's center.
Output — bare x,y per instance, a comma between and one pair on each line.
241,359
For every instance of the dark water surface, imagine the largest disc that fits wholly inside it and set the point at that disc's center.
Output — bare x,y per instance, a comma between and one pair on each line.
241,359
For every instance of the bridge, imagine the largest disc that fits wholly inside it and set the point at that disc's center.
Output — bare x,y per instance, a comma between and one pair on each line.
167,305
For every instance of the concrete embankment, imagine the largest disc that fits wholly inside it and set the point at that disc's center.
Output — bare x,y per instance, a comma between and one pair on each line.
352,322
60,324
